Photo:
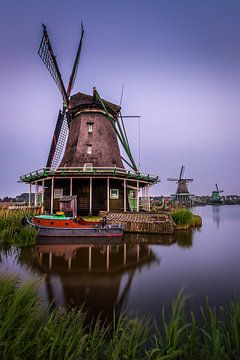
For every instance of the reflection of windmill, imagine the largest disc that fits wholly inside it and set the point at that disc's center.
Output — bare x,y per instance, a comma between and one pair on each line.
216,197
182,194
84,158
97,274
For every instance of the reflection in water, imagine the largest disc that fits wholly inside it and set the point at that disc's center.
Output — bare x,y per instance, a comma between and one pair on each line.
184,239
98,275
216,214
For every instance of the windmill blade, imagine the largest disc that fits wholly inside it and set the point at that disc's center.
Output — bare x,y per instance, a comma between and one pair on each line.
181,172
188,180
45,52
171,179
75,65
58,141
217,187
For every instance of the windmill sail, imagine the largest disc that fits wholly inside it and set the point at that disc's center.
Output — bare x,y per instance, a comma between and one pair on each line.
58,141
46,54
63,122
76,63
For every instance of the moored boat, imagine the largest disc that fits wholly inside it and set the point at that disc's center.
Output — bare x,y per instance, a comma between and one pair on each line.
60,225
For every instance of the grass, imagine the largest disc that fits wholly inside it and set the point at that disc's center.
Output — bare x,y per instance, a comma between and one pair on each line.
12,231
30,331
183,218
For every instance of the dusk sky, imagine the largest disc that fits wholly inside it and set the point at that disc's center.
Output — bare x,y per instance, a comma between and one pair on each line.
179,61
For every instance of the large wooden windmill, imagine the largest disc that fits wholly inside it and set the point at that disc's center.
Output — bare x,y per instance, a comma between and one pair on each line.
182,194
84,158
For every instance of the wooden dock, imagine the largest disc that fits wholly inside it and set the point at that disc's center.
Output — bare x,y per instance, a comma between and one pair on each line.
143,222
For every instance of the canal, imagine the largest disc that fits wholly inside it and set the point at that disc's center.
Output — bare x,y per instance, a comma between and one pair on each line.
140,273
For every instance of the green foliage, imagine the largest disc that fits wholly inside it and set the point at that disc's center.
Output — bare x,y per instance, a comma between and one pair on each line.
13,232
182,217
30,331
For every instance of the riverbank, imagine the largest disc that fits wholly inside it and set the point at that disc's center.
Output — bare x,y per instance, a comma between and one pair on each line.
30,331
13,231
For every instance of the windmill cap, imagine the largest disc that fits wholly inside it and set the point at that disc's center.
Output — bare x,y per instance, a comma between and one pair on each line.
81,100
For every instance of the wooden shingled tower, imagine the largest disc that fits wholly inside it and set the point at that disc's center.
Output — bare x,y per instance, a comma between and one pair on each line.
84,157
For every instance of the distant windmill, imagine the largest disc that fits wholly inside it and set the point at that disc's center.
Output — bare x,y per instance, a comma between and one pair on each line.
216,197
182,194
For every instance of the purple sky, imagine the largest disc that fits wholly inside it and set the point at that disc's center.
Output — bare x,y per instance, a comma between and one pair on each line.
179,61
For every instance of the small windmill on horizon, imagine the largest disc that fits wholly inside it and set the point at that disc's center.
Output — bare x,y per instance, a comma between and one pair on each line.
216,197
182,194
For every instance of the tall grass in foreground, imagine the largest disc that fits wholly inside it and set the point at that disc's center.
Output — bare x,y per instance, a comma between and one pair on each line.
27,331
12,230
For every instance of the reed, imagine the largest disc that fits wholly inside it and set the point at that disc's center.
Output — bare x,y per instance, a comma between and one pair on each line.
30,331
184,219
182,216
12,230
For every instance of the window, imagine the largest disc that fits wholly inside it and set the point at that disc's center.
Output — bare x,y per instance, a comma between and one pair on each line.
90,127
58,193
89,149
114,194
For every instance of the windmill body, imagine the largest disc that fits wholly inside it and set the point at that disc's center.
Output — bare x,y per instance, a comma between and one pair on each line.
182,195
92,139
84,157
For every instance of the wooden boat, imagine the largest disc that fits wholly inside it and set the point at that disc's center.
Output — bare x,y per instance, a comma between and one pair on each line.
60,225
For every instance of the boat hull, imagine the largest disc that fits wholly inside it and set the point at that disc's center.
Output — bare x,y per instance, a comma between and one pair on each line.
115,230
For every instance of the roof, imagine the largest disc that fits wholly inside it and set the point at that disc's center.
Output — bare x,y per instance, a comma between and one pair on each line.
81,99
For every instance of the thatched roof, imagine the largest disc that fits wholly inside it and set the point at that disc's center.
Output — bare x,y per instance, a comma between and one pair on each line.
82,100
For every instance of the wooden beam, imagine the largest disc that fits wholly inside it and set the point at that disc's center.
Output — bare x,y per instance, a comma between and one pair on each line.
108,200
30,195
52,195
124,195
43,197
137,196
71,186
90,196
36,194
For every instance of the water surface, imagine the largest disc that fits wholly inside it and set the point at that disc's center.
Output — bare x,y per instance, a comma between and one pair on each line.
140,273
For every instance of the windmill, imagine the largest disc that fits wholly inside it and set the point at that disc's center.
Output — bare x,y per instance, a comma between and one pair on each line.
216,197
182,194
84,158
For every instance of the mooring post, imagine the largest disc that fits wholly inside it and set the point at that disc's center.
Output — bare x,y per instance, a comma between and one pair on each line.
52,191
